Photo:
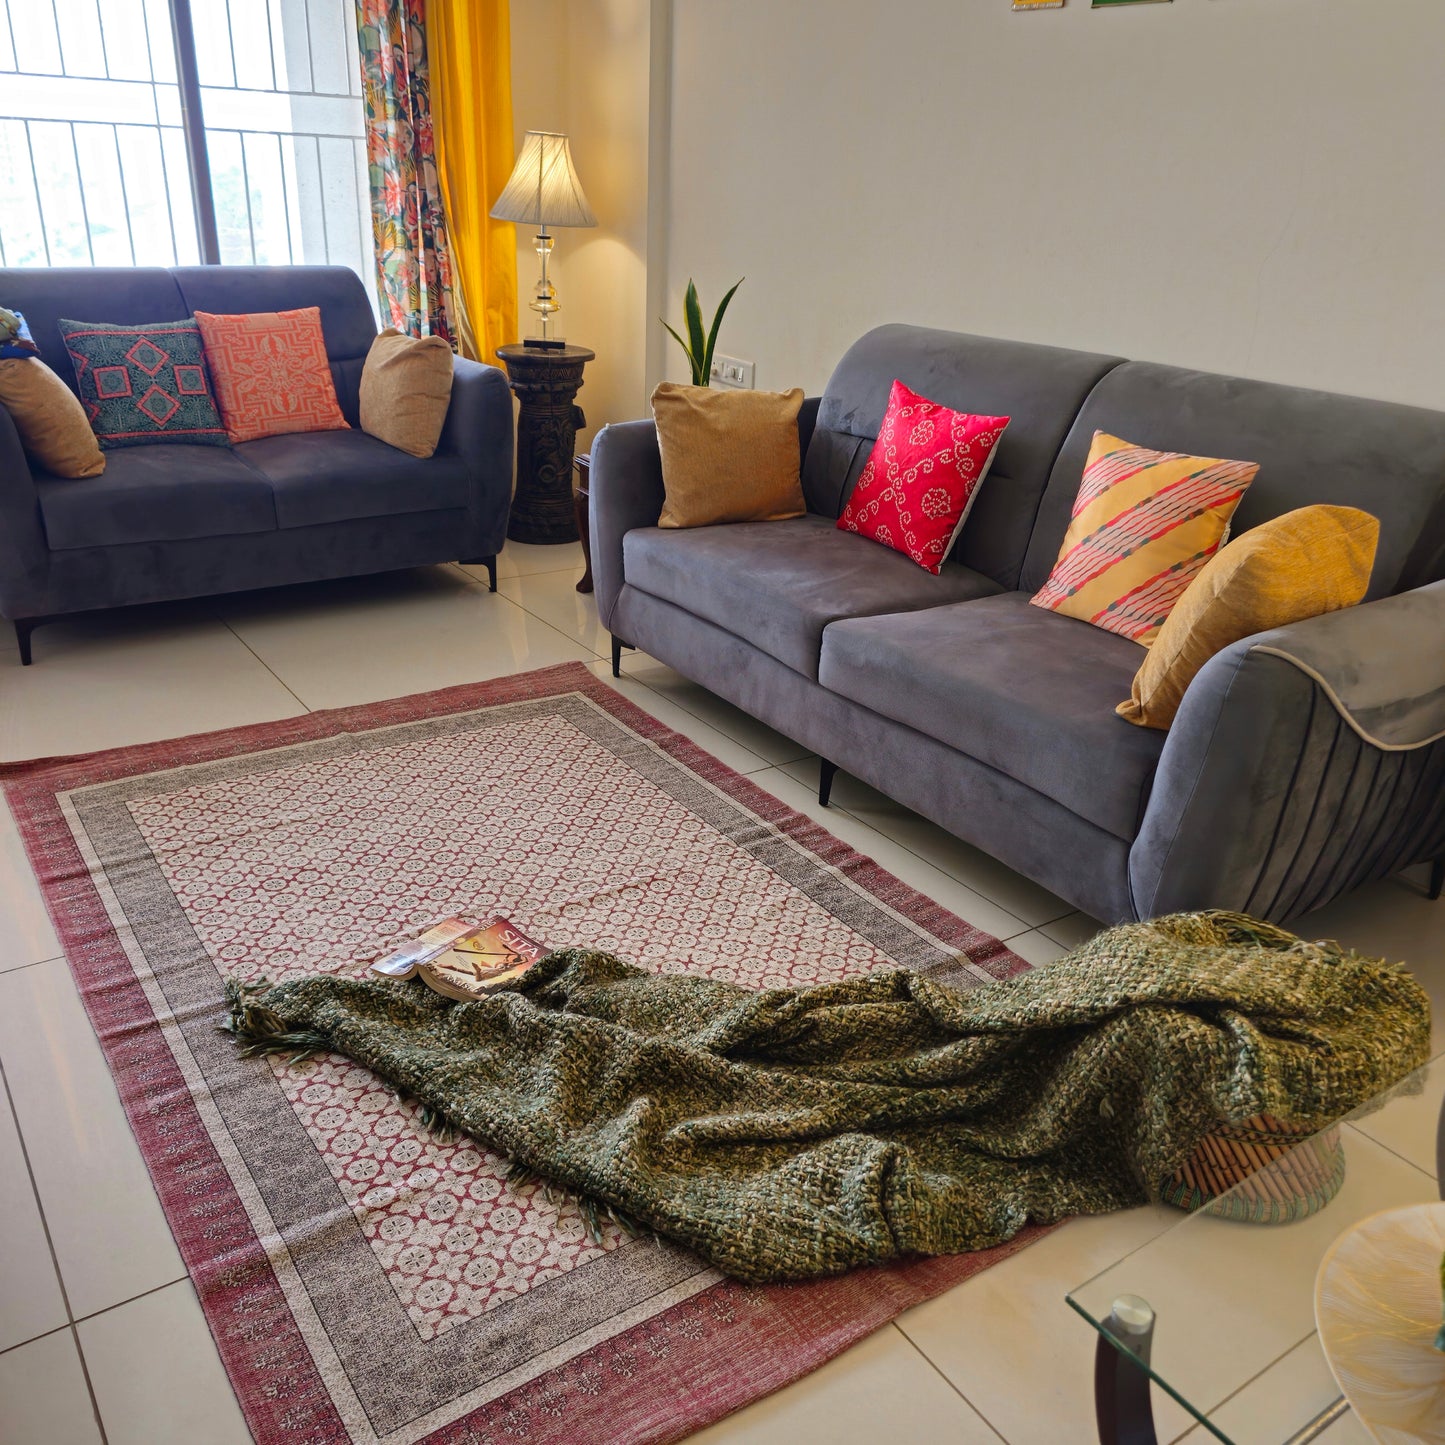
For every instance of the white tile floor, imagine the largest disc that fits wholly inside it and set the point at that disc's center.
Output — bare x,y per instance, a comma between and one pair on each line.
101,1338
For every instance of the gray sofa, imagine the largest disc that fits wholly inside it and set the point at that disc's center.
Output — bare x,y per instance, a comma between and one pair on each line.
171,521
1302,762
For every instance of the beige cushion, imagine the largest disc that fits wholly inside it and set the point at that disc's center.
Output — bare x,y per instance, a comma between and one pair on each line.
51,421
728,456
406,387
1305,563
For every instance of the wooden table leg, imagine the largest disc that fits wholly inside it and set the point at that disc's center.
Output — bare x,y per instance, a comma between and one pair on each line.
580,502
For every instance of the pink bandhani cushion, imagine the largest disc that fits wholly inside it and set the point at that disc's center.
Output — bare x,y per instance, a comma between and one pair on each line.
922,477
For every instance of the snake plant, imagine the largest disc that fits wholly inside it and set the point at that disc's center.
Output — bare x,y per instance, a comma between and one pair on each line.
699,347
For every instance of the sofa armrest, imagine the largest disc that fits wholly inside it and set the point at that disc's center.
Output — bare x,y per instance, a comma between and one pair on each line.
1303,762
625,491
24,553
479,429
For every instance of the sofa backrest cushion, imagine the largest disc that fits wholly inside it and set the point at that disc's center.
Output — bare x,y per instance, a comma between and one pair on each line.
348,325
1040,387
1311,446
131,295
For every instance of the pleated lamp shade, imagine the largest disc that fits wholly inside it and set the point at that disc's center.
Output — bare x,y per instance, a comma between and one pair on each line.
544,189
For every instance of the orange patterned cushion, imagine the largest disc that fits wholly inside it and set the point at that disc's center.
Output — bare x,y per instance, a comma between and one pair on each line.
270,373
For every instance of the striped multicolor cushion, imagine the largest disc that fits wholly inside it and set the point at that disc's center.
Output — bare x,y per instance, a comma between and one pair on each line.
1144,524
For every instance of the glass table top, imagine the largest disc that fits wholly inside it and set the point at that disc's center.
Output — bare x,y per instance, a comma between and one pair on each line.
1234,1339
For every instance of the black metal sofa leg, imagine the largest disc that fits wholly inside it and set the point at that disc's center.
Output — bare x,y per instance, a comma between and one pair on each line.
490,563
1437,877
617,645
826,773
24,626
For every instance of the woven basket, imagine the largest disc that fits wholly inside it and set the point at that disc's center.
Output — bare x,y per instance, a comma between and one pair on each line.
1276,1172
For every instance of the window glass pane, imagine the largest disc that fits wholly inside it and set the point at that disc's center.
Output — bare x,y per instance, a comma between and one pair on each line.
23,240
228,185
251,44
211,21
33,30
178,189
98,155
62,208
147,198
124,26
284,135
266,191
96,170
81,50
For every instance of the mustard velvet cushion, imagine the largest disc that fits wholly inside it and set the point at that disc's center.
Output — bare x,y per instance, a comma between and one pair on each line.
1144,523
728,456
53,426
406,388
1307,562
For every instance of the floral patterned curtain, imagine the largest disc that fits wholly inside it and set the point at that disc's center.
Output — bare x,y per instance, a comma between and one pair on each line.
413,257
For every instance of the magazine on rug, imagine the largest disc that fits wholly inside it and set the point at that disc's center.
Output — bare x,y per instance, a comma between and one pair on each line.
464,960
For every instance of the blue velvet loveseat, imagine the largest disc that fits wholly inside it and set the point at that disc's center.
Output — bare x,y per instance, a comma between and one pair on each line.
172,521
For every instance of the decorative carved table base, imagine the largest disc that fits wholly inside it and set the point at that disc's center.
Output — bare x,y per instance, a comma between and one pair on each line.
546,383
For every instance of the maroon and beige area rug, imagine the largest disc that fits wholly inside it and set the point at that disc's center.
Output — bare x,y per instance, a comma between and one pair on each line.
364,1281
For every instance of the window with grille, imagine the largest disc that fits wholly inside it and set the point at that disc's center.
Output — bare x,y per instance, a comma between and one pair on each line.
94,167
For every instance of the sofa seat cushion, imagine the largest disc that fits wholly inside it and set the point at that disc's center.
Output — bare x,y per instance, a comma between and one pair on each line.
157,494
1026,691
777,585
338,476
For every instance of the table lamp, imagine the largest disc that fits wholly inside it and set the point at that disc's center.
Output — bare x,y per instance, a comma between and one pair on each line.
544,190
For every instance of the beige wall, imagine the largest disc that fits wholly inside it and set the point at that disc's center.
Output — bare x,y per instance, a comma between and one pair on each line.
583,66
1252,186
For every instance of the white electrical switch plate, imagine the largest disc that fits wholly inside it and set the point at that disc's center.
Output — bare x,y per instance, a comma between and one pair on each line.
732,371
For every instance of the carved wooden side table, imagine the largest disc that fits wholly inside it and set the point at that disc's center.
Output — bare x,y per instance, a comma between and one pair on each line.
546,383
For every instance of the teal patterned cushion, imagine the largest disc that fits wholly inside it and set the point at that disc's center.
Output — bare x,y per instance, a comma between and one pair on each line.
144,384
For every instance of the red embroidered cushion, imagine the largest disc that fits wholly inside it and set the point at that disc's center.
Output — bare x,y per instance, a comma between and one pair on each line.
270,373
922,477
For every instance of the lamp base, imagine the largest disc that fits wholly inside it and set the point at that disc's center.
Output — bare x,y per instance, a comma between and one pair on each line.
545,343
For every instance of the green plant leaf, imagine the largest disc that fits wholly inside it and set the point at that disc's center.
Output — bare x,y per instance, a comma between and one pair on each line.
716,327
691,363
692,314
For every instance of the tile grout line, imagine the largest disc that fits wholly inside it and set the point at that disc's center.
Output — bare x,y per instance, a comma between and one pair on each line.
536,616
226,624
34,963
120,1304
913,1344
34,1339
54,1258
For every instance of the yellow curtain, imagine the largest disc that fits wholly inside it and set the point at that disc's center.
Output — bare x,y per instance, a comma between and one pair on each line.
469,45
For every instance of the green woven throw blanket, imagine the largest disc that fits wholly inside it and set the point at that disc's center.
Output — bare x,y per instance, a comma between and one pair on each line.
792,1133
